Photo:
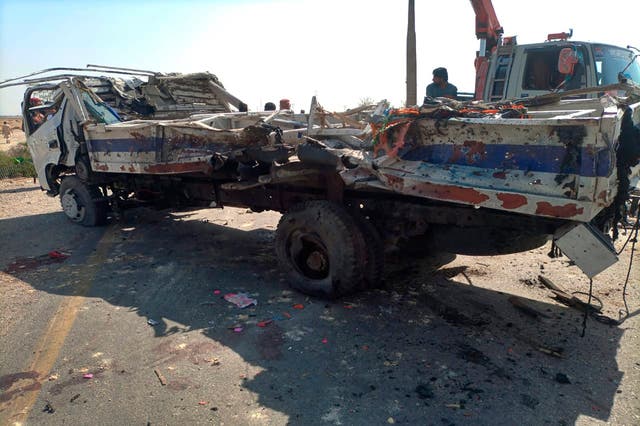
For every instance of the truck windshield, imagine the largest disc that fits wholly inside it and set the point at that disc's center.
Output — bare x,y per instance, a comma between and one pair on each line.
611,60
99,110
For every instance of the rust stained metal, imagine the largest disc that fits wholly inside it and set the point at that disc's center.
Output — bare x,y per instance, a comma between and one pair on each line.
512,201
471,150
174,168
438,191
565,211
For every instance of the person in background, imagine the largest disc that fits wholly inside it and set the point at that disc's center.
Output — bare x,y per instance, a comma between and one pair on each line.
285,104
6,131
441,88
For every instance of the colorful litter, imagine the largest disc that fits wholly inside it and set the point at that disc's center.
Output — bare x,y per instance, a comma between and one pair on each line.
241,300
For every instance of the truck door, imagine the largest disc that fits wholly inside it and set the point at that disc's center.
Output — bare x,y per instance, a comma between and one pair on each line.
42,114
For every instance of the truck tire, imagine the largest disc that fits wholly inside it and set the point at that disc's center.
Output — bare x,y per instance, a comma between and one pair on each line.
374,253
82,204
322,249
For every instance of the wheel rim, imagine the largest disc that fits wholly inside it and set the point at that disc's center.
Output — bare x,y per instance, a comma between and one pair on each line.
309,256
71,207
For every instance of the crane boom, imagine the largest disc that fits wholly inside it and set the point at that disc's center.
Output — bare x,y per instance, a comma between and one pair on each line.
489,32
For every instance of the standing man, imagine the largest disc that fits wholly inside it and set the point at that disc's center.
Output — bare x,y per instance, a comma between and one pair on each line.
6,131
441,88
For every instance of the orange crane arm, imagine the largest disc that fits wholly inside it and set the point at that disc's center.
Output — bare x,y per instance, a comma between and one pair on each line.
489,32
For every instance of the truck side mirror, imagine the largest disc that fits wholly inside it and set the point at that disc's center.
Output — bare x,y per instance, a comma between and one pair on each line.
567,59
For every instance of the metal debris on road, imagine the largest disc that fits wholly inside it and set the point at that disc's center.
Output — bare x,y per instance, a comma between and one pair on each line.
48,408
56,254
264,323
241,300
163,380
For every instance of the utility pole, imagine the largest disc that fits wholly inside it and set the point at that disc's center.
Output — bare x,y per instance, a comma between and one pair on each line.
411,56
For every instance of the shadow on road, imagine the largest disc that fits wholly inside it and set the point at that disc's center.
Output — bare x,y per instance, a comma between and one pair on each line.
428,349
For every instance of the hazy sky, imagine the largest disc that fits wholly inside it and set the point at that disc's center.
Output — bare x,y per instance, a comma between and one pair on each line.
265,50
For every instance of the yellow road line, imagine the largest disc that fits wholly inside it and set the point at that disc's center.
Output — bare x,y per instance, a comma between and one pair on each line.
50,343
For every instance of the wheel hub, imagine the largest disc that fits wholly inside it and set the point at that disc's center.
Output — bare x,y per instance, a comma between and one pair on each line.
309,256
71,207
317,261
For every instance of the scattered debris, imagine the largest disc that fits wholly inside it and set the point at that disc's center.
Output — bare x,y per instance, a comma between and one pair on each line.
456,406
264,323
298,306
287,315
325,341
163,380
152,322
391,420
74,397
424,391
520,304
241,300
216,292
553,352
214,361
53,377
55,254
202,403
568,299
48,408
87,376
237,329
563,378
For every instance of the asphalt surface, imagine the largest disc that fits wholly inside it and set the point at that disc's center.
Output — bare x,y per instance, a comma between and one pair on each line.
133,328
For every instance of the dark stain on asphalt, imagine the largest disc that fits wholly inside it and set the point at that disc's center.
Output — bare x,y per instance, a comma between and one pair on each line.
270,343
9,381
196,352
77,379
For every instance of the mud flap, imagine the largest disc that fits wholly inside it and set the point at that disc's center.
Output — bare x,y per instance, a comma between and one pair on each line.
589,248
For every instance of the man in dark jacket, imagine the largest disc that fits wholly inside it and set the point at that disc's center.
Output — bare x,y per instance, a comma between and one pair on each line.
441,88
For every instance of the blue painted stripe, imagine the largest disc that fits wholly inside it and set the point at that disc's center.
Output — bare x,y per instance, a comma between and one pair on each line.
126,145
533,158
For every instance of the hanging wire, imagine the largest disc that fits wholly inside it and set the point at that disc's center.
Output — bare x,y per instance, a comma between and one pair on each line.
587,308
634,232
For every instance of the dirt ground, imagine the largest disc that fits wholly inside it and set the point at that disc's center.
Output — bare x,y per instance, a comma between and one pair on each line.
139,306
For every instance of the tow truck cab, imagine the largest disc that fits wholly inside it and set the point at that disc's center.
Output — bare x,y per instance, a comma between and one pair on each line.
521,71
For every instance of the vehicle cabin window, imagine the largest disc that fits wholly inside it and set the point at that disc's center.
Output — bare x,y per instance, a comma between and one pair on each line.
611,60
541,71
99,110
42,106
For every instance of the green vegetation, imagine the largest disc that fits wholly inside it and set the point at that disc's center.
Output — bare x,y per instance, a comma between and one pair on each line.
16,162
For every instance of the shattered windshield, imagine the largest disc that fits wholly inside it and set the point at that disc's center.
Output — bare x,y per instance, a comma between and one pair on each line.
611,60
99,110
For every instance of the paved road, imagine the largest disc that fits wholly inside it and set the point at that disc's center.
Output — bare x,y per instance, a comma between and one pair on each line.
434,347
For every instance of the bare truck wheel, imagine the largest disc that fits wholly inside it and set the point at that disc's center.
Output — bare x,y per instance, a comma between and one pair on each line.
82,204
322,248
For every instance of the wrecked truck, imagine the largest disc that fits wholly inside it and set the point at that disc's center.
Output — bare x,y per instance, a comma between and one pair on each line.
469,178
